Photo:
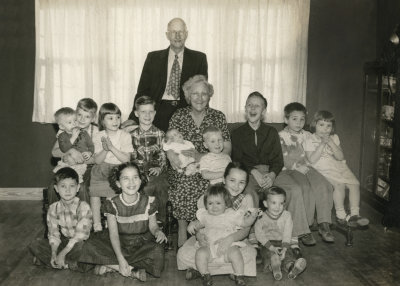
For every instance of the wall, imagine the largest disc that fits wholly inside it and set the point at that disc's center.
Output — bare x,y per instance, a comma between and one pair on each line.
25,146
342,37
387,18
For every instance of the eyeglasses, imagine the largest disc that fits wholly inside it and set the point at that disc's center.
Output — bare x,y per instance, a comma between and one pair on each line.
197,94
175,33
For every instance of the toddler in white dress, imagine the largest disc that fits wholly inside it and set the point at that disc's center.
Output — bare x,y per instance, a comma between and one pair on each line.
219,220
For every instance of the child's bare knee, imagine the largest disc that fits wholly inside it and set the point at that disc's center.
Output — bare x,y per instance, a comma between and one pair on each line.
234,251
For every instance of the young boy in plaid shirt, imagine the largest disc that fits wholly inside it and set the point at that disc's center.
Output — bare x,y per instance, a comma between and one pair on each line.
69,222
149,155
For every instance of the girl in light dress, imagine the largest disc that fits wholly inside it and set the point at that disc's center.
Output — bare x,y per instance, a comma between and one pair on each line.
325,154
112,146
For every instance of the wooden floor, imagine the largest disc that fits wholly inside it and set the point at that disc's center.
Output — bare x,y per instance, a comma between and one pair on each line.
373,260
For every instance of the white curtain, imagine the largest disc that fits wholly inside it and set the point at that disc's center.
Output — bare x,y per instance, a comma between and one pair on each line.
96,48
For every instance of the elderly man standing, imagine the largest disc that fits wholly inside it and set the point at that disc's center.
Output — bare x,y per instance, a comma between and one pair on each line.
165,71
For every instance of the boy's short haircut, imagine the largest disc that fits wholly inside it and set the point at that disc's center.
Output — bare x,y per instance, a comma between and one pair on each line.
218,190
259,95
88,105
144,100
294,106
66,173
62,112
274,190
210,129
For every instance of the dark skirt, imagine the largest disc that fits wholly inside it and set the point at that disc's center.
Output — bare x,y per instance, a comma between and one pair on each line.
99,182
40,248
140,251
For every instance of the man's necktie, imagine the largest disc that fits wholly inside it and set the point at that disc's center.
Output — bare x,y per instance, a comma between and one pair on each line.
174,79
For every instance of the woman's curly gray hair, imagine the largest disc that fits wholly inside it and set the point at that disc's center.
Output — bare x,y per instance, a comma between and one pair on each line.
188,85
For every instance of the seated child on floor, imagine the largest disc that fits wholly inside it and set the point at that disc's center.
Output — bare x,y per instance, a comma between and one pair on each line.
132,244
71,136
213,164
326,156
274,232
174,141
69,222
219,220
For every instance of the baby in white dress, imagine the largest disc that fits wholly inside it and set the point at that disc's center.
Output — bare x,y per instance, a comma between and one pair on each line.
174,141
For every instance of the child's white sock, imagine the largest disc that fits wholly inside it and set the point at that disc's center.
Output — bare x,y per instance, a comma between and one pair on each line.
340,213
294,242
355,211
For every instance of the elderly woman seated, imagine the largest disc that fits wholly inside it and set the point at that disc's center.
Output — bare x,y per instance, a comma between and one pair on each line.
190,121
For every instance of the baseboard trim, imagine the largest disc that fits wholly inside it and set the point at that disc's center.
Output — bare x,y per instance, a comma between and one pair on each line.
21,194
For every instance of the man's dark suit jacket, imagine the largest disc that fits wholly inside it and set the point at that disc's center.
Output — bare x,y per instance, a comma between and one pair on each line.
153,80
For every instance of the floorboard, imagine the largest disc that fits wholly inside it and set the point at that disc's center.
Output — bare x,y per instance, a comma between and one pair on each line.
373,260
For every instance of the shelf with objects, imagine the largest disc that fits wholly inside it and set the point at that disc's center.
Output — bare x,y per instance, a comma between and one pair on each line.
377,134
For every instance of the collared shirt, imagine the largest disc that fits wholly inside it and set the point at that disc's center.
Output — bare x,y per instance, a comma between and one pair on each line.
171,58
292,144
74,220
148,148
267,151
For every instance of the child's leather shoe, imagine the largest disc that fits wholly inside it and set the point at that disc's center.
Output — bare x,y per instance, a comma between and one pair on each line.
353,221
359,220
192,274
239,280
325,232
308,239
139,274
298,267
207,280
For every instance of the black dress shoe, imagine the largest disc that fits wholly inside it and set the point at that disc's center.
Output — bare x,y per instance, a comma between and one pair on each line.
325,232
308,239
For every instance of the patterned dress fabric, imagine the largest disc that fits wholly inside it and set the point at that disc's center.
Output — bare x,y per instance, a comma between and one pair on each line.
184,191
